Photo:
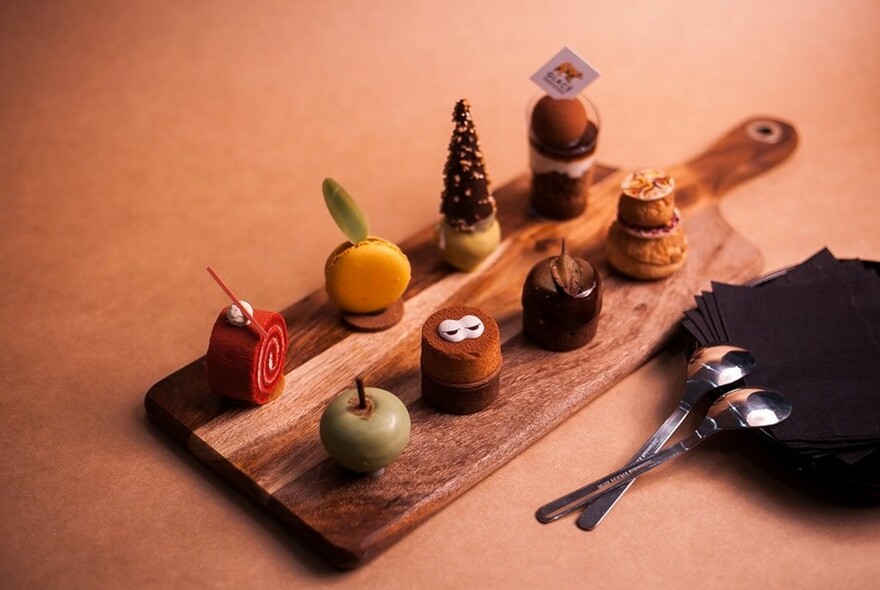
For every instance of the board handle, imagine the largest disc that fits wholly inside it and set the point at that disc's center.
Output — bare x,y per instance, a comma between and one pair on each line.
753,147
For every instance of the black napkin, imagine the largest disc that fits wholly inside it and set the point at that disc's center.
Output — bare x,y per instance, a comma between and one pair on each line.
815,332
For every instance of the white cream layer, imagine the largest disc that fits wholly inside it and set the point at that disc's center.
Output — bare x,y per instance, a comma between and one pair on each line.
542,164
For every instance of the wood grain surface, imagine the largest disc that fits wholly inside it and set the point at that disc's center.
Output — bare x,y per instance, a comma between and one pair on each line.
273,454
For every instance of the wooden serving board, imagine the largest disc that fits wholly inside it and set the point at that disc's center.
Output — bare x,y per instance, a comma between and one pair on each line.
273,453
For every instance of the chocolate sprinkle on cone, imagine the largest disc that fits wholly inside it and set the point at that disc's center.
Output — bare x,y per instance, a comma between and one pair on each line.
466,199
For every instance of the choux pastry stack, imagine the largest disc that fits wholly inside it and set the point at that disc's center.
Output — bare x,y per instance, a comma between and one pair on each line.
647,240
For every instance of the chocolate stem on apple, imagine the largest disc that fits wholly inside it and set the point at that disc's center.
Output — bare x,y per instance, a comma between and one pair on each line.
362,393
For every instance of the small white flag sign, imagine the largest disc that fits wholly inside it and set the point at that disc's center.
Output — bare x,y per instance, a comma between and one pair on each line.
565,75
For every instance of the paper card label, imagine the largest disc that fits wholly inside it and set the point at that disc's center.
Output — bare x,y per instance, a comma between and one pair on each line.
565,75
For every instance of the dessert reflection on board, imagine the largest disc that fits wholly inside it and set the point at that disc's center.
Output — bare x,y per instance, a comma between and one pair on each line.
453,331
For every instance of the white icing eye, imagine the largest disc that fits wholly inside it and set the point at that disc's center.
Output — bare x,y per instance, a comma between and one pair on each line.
451,331
463,328
235,316
474,326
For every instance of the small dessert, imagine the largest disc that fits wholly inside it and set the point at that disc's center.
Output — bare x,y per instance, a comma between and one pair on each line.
647,240
365,429
647,198
460,360
469,231
561,299
366,276
562,142
246,352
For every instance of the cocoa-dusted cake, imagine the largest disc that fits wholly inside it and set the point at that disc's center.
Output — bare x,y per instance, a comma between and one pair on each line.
647,240
562,143
461,360
561,299
245,363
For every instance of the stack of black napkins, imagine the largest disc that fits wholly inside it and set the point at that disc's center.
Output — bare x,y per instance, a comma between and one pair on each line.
815,332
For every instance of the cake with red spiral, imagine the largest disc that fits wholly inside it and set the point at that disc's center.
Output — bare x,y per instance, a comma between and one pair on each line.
244,364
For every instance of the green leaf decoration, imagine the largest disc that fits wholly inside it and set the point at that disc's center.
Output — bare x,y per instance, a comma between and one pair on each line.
345,212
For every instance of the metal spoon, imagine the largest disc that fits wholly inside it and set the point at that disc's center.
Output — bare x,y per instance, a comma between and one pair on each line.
740,408
708,369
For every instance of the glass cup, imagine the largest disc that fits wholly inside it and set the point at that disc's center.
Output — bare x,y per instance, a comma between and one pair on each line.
562,169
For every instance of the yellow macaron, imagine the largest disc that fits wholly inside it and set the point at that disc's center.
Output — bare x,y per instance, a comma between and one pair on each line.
367,276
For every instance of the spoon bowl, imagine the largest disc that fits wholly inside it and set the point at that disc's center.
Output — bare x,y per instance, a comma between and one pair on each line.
747,408
716,366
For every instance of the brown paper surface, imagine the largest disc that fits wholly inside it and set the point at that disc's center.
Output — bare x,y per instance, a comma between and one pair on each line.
142,141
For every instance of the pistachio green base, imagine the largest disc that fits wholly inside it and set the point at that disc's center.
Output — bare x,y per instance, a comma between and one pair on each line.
466,250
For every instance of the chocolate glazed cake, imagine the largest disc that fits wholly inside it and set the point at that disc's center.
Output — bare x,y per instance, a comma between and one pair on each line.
562,142
461,360
561,299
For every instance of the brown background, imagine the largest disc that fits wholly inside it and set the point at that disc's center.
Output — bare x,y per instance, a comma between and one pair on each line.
140,141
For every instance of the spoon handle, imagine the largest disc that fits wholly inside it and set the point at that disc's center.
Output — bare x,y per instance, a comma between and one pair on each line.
598,508
553,510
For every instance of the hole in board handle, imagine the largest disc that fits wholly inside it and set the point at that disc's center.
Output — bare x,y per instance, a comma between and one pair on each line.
764,131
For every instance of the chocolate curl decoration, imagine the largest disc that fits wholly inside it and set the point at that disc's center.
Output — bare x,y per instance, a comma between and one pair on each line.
466,200
247,365
566,273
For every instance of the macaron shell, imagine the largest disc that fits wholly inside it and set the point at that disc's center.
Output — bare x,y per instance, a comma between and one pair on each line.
368,276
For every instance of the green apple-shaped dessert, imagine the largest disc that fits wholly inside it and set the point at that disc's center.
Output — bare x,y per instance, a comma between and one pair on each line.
365,429
469,231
